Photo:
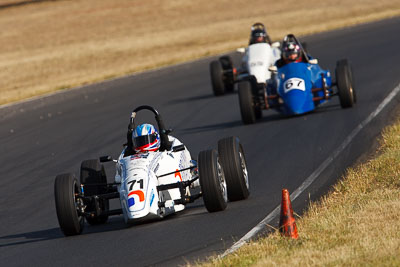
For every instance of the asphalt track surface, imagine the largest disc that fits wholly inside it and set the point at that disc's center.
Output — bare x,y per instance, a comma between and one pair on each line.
52,135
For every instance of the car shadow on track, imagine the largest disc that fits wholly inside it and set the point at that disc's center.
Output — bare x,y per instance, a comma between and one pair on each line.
216,126
117,223
328,108
113,224
30,237
232,124
280,117
266,118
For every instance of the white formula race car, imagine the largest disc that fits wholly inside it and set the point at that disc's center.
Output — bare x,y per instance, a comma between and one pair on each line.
258,57
153,184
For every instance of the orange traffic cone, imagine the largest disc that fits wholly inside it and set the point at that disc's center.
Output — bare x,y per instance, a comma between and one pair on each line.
287,224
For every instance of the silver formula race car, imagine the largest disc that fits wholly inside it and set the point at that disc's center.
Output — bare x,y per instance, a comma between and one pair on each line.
257,58
153,184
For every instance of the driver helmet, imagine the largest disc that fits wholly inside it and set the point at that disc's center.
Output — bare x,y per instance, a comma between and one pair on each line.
258,34
146,138
291,52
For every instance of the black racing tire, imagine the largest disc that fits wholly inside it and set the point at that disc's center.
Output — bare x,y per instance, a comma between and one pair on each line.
226,62
217,78
258,112
212,181
94,180
344,83
233,162
350,72
66,189
247,109
227,65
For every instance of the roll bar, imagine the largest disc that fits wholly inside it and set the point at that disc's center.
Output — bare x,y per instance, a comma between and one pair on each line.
257,25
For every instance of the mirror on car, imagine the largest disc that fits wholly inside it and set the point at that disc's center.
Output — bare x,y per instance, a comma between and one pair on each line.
241,50
273,69
276,44
178,148
106,158
313,61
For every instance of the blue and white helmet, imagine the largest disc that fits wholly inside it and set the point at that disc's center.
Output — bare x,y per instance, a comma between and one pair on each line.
146,138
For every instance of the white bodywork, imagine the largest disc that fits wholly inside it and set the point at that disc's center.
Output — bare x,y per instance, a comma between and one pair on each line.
258,58
137,175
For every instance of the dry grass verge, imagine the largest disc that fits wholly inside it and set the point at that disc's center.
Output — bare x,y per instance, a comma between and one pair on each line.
356,224
54,45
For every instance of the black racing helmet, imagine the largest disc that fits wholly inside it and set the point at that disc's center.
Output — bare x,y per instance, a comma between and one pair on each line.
291,51
258,34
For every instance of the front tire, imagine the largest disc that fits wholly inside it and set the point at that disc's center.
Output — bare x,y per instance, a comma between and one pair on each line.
66,190
344,80
247,109
212,181
234,164
217,78
94,180
350,72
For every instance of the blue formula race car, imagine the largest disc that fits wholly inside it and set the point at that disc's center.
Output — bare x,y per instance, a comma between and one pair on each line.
298,85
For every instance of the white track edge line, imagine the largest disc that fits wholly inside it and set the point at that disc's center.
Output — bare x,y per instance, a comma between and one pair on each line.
313,175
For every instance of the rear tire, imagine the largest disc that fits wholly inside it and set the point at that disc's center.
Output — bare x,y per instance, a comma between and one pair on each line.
247,109
233,161
94,180
258,112
66,189
344,78
217,78
227,65
212,181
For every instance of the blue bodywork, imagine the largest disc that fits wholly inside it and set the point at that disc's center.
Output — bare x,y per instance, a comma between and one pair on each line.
295,83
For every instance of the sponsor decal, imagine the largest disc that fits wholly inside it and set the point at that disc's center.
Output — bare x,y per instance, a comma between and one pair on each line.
140,156
182,160
139,193
151,197
178,173
156,168
257,63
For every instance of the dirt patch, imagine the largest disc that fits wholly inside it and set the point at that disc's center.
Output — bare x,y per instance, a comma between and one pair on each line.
54,45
